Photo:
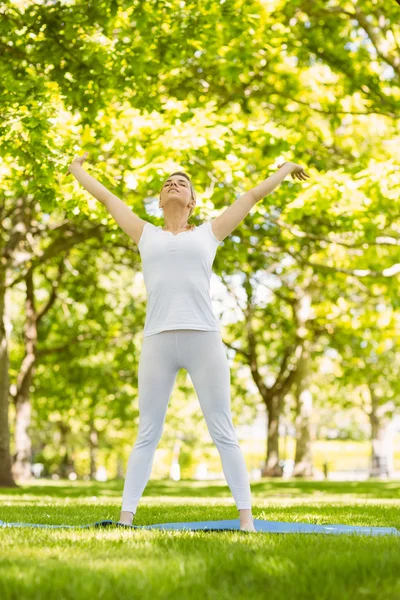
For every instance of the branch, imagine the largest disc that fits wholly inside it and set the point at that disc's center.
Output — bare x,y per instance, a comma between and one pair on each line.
282,369
356,272
68,344
53,295
239,350
85,336
290,301
59,245
261,93
391,60
228,287
359,16
304,234
362,113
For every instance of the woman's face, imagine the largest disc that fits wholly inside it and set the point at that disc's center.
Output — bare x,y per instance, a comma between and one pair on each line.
176,189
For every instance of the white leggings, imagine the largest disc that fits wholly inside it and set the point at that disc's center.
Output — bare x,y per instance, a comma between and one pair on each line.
202,355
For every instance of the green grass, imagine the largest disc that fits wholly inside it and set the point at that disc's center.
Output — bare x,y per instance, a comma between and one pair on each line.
151,564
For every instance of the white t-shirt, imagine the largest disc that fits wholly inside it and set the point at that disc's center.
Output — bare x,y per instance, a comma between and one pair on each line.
177,273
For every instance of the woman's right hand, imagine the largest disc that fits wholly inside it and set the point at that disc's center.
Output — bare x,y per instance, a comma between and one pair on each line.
78,160
296,171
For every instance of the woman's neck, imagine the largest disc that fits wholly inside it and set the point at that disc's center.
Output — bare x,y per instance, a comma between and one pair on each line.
177,230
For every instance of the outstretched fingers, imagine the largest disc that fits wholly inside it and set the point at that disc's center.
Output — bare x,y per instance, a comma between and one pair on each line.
301,175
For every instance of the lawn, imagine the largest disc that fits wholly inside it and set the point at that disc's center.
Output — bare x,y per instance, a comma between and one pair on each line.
151,564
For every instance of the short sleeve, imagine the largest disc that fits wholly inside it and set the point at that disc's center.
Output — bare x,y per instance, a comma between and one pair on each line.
145,232
209,227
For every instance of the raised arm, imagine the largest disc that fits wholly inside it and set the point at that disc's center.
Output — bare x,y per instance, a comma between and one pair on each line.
225,223
123,215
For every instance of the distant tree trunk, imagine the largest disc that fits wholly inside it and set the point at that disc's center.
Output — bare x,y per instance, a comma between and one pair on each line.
382,437
120,467
174,469
272,468
6,476
22,217
93,448
303,466
274,395
66,465
22,467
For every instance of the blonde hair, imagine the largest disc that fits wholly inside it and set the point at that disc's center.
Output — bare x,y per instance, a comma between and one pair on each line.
192,190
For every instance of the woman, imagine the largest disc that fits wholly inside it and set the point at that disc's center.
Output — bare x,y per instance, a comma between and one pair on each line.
181,330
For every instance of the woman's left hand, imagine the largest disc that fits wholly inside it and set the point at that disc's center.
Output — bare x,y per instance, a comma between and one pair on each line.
296,171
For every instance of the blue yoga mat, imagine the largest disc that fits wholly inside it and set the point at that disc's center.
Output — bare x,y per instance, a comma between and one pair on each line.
230,525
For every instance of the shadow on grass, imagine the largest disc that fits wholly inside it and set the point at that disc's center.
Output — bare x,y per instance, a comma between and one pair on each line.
169,567
202,489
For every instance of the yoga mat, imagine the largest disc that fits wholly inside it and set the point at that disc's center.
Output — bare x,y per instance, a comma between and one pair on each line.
230,525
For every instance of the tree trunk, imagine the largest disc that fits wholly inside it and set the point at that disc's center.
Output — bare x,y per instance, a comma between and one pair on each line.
93,448
66,464
6,476
303,466
272,467
382,437
120,467
22,467
273,396
175,470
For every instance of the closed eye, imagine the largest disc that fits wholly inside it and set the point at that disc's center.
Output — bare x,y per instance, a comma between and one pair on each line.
182,182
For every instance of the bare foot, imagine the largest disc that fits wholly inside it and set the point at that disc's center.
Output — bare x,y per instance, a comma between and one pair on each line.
126,517
246,520
248,527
